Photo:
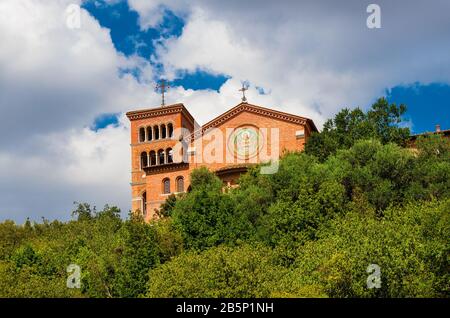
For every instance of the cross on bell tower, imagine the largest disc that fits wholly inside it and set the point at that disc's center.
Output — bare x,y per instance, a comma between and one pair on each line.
163,86
243,89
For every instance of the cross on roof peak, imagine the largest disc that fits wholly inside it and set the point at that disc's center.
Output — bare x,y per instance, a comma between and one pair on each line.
163,85
243,89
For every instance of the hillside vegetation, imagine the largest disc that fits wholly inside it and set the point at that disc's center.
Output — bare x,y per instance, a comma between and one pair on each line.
357,196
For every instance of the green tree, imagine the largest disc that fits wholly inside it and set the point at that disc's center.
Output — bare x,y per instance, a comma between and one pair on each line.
168,239
244,271
205,216
137,253
380,122
167,207
409,244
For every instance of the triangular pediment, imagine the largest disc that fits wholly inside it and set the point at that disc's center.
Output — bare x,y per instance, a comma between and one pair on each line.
257,110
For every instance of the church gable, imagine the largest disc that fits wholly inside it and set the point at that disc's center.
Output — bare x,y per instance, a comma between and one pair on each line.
258,110
258,113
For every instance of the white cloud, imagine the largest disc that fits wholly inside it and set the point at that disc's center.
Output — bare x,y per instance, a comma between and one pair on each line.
312,57
151,12
315,57
54,81
79,165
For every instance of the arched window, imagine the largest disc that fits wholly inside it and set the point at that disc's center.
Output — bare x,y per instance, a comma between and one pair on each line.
149,133
163,131
170,130
156,132
141,134
152,158
169,155
166,186
180,184
161,157
144,203
144,160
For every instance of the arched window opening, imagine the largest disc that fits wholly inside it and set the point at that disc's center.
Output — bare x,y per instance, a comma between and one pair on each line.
141,134
149,133
161,157
170,130
156,132
163,131
152,158
169,155
144,203
144,160
166,186
180,184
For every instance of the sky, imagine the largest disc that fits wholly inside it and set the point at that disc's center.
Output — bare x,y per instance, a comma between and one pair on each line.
65,87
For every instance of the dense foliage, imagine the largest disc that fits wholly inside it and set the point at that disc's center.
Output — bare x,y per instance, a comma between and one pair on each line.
310,230
114,255
380,122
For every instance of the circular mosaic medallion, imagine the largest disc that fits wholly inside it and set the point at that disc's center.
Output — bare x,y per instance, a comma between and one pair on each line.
245,142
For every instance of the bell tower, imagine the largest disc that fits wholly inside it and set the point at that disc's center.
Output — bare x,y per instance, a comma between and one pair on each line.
154,174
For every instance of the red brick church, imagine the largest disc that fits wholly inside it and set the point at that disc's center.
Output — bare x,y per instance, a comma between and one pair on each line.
167,144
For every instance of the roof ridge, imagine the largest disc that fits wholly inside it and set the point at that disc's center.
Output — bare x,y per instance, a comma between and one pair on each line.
231,112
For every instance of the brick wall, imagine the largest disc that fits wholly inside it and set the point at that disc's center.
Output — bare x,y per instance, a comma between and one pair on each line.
151,180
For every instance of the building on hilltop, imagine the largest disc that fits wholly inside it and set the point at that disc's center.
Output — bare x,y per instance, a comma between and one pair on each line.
438,131
167,144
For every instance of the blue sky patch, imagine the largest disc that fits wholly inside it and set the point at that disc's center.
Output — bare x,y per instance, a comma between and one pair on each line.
262,91
129,39
136,72
105,120
428,105
126,33
200,80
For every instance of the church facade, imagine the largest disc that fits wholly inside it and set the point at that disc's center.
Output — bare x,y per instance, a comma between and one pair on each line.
167,144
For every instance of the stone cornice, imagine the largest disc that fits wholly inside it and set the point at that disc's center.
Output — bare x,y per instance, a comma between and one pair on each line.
138,183
155,141
234,168
161,111
166,167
